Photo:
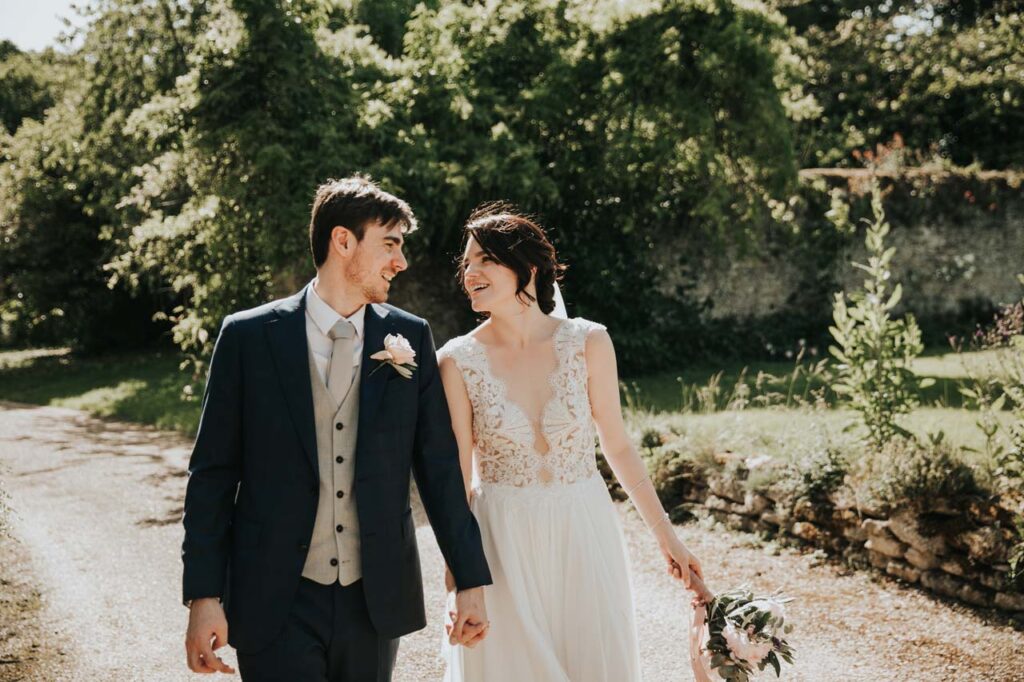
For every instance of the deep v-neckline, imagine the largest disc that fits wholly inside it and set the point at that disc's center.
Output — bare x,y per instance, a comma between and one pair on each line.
503,390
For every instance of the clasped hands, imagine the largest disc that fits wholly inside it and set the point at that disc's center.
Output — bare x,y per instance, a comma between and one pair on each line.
467,617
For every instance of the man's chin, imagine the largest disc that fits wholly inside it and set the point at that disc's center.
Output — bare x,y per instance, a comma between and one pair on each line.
376,295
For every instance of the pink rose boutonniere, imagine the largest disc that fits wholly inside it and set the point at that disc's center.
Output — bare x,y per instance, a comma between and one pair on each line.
397,353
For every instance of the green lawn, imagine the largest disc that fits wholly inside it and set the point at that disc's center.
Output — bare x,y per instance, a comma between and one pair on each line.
145,388
788,433
790,383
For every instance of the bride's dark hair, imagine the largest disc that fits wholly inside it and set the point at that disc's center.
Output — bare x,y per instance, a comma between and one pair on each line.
519,243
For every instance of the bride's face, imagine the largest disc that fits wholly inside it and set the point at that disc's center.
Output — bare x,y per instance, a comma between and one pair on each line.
489,284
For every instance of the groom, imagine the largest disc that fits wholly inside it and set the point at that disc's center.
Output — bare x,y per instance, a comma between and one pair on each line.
299,536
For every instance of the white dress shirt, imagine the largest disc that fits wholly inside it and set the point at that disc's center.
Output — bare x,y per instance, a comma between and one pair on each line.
320,317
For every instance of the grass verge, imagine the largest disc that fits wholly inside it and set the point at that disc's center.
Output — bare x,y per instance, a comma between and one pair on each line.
143,387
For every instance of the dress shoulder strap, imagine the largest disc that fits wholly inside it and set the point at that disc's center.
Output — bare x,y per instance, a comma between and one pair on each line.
584,326
571,340
461,349
579,329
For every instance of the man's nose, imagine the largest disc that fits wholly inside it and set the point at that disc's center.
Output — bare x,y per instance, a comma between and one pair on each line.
399,262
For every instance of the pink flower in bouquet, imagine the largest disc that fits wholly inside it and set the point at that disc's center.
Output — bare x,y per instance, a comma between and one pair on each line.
742,647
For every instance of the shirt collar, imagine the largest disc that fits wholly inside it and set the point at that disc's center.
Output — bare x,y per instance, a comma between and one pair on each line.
325,317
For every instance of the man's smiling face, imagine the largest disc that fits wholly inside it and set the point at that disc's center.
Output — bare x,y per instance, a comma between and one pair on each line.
378,258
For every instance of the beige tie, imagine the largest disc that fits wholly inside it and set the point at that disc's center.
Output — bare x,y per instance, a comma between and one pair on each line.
339,369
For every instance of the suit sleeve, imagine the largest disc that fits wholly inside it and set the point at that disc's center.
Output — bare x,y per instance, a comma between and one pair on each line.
439,476
214,473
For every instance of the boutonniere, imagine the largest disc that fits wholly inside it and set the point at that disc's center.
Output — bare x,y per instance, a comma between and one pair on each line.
397,353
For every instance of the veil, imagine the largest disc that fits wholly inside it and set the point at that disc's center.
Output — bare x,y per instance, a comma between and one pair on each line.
559,310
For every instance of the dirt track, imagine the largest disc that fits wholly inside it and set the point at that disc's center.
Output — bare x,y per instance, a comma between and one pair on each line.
98,505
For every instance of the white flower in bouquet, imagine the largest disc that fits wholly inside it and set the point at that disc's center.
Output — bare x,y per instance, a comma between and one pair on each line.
738,639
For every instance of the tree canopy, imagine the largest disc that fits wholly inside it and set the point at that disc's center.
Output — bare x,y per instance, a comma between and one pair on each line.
166,165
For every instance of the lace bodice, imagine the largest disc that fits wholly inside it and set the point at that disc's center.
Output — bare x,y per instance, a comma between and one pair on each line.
504,449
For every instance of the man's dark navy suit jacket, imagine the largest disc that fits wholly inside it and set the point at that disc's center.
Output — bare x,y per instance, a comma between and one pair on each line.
254,483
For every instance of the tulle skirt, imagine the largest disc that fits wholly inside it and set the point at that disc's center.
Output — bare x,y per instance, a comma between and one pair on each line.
561,606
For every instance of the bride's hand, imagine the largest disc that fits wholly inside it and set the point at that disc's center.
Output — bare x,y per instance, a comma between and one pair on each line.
680,560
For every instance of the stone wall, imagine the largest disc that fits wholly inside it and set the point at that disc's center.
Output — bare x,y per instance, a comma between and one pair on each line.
959,241
958,553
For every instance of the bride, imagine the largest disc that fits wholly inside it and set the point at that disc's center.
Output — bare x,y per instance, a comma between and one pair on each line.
526,390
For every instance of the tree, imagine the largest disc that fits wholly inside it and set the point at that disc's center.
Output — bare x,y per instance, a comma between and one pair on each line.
29,84
941,74
619,126
66,175
264,114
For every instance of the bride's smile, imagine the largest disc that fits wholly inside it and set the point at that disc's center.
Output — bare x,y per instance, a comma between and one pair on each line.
488,283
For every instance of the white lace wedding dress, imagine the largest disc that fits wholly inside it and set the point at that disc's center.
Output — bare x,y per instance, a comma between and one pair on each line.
561,606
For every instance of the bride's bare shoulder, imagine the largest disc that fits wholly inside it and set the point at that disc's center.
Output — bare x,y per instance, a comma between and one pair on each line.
482,333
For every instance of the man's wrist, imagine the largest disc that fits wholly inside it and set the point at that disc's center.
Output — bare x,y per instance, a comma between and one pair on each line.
190,602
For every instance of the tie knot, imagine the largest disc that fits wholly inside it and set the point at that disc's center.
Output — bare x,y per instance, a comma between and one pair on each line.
342,329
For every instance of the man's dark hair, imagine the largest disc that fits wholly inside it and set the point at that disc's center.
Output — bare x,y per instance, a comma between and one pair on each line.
518,243
353,203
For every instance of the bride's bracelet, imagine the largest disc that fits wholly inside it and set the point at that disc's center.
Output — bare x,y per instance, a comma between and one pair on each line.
664,517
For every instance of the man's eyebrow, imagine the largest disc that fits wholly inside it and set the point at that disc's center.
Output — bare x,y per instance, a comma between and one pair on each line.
394,239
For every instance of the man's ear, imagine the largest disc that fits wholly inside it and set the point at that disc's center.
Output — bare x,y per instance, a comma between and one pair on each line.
343,241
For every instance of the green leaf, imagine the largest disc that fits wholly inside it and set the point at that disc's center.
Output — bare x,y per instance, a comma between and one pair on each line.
774,661
897,294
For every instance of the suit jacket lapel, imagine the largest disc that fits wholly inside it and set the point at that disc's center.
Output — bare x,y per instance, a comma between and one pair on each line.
371,388
287,336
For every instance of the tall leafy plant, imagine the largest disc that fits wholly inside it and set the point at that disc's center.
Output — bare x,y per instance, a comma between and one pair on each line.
874,350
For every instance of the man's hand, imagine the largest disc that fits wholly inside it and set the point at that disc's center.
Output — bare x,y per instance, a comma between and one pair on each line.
207,632
468,614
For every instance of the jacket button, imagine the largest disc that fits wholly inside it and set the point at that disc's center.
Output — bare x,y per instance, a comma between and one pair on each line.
339,426
339,459
334,562
339,528
341,494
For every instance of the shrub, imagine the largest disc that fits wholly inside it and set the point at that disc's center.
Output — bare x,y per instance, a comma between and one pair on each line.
907,473
1001,391
813,477
676,462
874,351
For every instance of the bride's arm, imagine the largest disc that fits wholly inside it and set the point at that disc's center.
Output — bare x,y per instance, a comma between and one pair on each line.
623,457
461,412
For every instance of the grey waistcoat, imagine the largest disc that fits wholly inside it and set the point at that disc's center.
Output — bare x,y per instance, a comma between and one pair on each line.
333,553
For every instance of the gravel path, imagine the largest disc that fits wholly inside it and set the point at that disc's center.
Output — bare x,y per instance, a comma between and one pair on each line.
98,505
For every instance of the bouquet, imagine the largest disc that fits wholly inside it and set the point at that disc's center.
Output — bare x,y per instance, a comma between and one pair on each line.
735,633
